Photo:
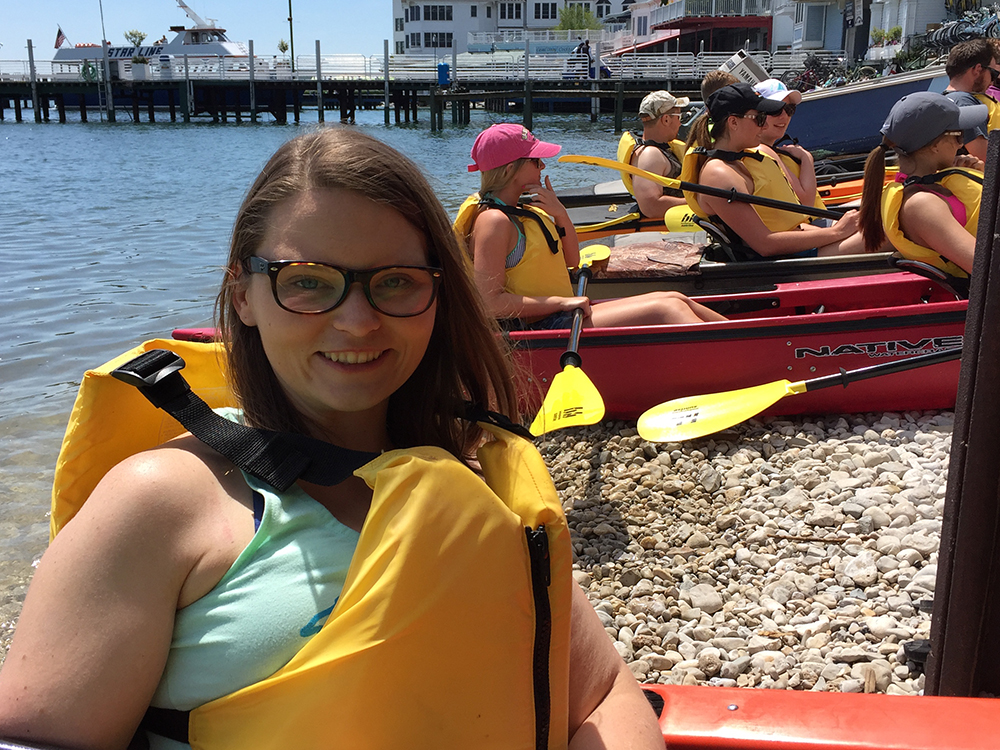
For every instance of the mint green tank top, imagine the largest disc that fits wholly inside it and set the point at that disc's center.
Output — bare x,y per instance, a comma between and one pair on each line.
274,598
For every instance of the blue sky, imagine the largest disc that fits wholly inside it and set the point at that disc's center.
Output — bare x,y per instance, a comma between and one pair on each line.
342,26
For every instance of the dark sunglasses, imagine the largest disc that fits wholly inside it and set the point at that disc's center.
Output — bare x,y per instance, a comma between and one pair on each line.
994,73
537,162
759,118
314,288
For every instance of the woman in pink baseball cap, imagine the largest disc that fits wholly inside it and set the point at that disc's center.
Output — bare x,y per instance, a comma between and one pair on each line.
522,254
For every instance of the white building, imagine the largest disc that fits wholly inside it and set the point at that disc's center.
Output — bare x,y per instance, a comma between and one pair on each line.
420,28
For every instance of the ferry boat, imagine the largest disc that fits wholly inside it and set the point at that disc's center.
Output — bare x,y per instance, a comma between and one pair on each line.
203,39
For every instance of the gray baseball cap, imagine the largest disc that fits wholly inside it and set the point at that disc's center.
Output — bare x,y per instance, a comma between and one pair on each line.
919,118
660,102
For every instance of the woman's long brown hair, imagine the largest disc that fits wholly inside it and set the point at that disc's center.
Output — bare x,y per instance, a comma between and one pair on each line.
870,213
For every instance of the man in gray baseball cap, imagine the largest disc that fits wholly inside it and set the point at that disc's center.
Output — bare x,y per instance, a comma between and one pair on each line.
657,151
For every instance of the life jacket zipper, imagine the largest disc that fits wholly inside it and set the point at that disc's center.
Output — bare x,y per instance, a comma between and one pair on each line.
541,577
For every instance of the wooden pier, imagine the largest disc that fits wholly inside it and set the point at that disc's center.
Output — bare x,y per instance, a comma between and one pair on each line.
233,100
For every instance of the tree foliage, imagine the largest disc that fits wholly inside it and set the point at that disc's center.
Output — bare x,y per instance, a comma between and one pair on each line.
135,37
282,46
576,17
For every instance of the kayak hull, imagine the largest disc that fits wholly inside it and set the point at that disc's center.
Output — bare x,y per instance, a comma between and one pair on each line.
720,718
797,332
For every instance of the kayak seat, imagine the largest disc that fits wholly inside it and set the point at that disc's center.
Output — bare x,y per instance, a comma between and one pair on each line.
954,284
725,246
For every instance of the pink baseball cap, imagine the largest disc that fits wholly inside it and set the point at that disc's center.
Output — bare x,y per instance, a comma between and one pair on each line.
501,144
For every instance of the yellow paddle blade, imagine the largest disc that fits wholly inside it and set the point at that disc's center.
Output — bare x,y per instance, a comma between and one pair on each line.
697,416
572,401
680,219
593,253
597,161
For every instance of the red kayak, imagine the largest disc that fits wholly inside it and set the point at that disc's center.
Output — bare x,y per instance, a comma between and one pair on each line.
718,718
796,332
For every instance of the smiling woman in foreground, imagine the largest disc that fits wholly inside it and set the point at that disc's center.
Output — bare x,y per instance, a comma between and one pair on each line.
418,602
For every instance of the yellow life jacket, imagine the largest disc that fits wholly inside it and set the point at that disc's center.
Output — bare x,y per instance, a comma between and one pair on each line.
993,121
964,184
795,167
629,142
540,273
769,181
443,558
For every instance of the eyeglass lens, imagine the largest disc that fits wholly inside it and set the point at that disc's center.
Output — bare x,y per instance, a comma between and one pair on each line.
789,108
759,118
398,291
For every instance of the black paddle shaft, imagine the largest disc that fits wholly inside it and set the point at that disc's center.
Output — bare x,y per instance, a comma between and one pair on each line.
570,356
734,195
849,376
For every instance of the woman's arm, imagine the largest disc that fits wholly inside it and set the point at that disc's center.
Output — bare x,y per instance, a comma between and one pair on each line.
607,709
927,220
93,636
751,228
493,237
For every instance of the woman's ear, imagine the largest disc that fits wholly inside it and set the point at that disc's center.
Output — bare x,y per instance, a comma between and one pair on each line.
241,302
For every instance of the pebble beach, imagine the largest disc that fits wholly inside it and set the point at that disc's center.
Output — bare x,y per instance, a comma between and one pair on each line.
783,553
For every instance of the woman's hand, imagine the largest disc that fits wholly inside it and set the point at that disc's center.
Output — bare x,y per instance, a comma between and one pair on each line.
544,197
572,303
846,225
969,162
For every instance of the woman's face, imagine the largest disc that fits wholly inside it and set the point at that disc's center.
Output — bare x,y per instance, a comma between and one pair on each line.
743,130
338,368
775,127
529,173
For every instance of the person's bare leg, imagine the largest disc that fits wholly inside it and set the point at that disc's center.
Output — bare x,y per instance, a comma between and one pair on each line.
655,308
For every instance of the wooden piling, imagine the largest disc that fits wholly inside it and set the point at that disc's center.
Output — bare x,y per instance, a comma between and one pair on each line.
172,104
61,107
83,107
619,106
17,109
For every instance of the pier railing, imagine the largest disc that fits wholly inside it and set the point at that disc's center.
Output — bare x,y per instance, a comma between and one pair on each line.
498,66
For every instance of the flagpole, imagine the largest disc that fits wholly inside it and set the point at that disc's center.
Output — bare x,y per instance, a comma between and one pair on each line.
108,92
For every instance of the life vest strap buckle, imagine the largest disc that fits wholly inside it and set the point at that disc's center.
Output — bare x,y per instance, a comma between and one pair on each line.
156,374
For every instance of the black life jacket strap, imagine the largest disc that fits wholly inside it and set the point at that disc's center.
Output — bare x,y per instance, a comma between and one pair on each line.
789,154
931,179
275,458
523,213
727,156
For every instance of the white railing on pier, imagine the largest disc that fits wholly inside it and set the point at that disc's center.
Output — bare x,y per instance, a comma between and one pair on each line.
547,35
498,66
678,9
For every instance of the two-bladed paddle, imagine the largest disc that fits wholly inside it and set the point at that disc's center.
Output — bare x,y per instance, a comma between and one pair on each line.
697,416
693,187
572,399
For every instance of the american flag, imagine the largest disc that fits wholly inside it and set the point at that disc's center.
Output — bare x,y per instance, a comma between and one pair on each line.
60,37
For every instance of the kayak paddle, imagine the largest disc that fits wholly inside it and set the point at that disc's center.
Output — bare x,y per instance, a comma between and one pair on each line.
693,187
572,399
697,416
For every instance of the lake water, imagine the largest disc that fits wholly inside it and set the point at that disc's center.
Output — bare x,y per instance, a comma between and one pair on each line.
111,234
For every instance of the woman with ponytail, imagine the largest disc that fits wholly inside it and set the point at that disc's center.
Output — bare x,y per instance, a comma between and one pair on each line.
929,213
727,156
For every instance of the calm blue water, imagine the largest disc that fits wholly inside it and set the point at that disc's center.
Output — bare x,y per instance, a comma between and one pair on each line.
113,234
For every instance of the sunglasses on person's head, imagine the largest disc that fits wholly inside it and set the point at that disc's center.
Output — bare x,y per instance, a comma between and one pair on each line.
314,288
759,118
